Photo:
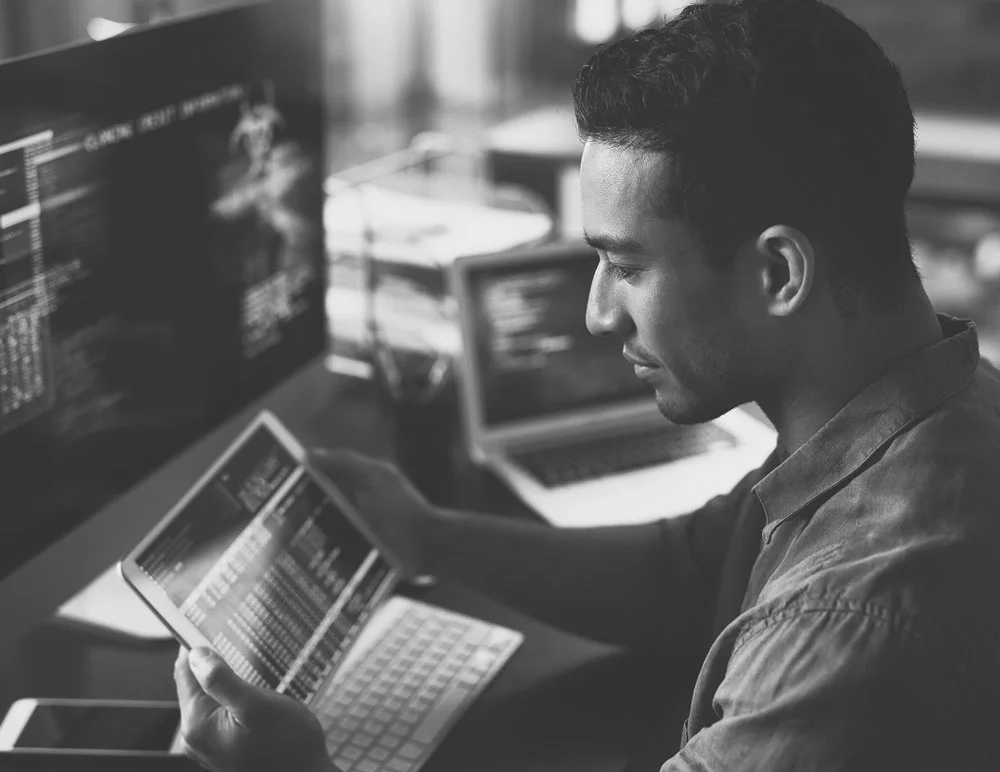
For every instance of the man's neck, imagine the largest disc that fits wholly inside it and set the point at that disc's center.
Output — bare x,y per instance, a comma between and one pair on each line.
835,370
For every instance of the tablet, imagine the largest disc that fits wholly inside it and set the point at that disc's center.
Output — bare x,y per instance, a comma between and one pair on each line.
265,561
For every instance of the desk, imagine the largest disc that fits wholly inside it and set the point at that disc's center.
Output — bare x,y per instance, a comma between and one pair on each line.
560,703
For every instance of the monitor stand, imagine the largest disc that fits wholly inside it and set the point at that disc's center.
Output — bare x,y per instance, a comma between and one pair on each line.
109,605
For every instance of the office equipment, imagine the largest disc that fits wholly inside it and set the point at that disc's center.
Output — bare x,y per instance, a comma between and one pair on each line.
560,415
393,228
270,564
562,703
138,728
540,150
162,269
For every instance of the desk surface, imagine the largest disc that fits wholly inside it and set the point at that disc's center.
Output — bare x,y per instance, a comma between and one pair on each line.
560,703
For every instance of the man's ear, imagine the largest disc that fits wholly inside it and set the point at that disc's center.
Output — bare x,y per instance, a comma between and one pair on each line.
787,263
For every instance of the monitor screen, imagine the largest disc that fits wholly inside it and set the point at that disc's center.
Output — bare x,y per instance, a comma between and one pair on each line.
533,353
268,569
161,255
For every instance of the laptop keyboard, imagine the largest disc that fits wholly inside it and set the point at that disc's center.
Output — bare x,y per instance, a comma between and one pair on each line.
390,708
591,458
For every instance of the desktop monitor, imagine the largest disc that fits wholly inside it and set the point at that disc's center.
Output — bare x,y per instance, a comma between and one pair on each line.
161,259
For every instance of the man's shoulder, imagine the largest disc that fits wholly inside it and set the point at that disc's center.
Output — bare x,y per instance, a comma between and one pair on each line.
913,535
914,532
932,492
972,412
933,591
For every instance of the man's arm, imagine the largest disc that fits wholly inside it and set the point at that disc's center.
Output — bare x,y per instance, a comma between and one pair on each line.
625,585
634,585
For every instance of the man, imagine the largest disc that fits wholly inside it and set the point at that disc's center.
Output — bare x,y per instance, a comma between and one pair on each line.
744,175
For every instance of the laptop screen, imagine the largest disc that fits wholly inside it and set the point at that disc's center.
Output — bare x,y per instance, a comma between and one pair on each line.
532,351
267,568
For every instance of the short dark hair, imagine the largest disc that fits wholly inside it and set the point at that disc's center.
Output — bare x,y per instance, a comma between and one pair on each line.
769,111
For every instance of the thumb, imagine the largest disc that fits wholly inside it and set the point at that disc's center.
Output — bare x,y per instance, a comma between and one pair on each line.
344,467
338,459
220,683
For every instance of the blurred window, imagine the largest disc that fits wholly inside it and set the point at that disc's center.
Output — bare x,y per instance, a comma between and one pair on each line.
598,21
948,50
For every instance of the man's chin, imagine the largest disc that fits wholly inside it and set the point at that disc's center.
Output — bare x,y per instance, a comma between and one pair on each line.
686,412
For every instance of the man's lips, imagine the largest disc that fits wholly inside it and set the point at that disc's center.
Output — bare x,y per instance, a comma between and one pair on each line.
638,361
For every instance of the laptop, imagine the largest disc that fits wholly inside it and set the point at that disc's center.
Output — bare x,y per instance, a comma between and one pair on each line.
560,415
270,565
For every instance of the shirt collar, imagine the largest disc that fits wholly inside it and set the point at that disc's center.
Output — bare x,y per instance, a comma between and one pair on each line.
909,390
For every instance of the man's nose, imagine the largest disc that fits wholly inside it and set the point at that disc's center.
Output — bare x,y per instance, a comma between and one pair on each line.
605,314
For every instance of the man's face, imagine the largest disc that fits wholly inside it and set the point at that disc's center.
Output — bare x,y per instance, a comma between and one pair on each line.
684,325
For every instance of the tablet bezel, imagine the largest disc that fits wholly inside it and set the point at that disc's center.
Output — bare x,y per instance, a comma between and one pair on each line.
156,598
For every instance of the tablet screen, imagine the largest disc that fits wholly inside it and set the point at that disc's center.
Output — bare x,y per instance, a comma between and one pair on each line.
268,568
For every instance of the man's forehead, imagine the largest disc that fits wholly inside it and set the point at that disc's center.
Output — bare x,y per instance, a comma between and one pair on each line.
629,180
606,158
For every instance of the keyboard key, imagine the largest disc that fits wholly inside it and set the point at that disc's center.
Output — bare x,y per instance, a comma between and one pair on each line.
450,701
366,765
363,740
343,764
469,678
398,765
497,640
411,751
481,661
352,753
374,728
378,753
390,741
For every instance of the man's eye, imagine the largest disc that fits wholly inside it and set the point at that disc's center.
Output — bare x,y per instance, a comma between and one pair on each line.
621,272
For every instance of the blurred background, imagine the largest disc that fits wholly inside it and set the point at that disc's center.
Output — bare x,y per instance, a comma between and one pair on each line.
398,67
490,79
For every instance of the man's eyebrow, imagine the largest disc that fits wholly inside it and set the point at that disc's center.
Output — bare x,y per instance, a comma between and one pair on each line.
618,245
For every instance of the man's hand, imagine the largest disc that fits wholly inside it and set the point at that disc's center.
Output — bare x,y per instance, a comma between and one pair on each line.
396,512
230,726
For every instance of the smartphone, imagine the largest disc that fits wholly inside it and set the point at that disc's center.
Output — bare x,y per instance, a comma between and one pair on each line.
92,727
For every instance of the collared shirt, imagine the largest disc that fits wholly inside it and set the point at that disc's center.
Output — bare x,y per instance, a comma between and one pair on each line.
856,585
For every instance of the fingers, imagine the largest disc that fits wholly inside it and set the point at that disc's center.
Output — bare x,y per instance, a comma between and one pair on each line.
196,706
340,464
189,692
338,456
215,679
348,470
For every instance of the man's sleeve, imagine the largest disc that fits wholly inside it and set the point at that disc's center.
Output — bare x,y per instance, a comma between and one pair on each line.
693,550
836,686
